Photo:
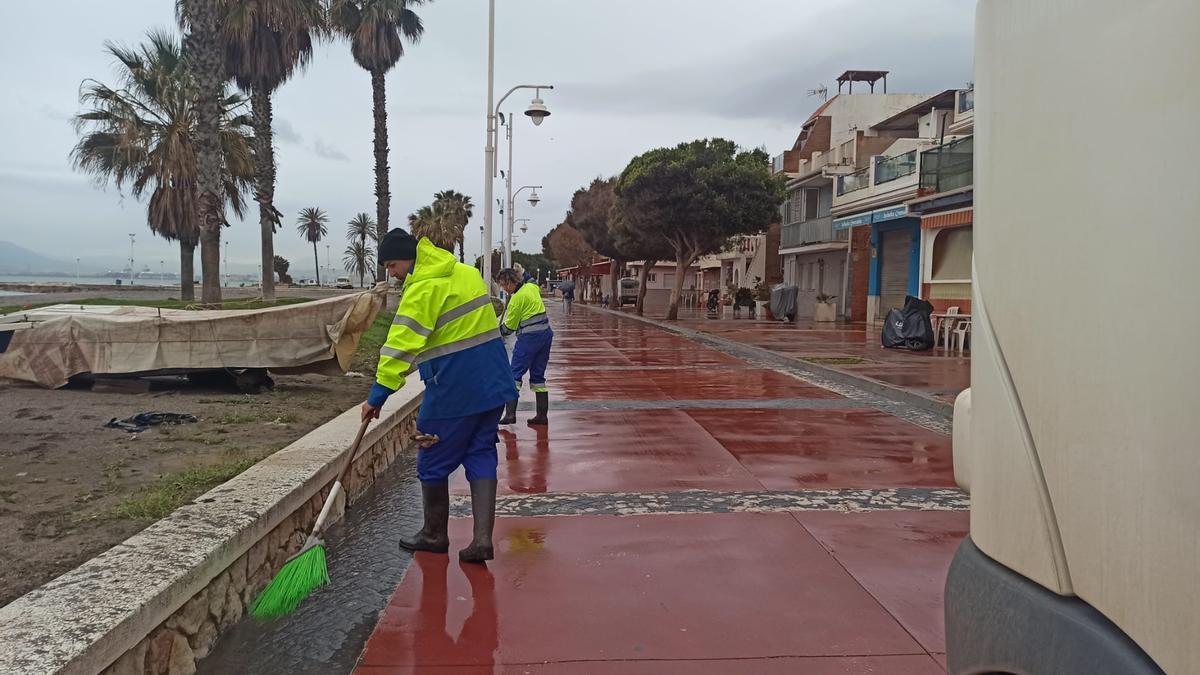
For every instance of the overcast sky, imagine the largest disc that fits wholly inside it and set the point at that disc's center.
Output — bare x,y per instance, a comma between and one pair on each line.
629,75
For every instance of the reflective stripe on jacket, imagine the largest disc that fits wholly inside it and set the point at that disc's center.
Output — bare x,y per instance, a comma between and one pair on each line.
526,312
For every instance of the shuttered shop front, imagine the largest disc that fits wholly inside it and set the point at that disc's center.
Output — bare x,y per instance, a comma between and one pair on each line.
894,252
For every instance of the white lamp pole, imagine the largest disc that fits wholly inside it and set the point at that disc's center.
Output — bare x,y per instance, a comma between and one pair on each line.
536,111
131,235
533,201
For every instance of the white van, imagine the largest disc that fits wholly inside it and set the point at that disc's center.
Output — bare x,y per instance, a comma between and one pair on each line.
1079,439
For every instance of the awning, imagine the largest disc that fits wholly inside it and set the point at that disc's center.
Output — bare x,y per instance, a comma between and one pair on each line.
949,219
876,216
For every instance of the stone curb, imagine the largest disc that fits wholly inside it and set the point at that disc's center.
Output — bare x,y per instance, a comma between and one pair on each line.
897,394
156,602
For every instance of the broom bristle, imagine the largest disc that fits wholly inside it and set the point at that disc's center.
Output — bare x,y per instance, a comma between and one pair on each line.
299,576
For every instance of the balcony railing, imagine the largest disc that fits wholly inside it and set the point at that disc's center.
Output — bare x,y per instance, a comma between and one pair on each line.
815,231
890,168
948,166
966,100
855,181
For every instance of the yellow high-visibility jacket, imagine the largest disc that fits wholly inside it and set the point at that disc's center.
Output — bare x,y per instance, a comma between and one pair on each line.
447,329
526,312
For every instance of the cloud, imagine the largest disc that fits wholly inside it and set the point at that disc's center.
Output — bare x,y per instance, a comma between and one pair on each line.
285,132
329,151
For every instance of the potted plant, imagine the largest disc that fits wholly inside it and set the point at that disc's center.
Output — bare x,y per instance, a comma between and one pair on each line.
826,310
743,298
762,298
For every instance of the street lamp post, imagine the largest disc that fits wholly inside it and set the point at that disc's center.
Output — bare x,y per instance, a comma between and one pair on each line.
536,111
77,270
131,236
162,273
533,201
226,262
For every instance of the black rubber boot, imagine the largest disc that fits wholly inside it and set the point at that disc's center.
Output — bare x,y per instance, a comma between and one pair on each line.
483,513
432,537
510,413
543,406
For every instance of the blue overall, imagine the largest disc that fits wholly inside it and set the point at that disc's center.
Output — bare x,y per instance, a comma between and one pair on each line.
531,355
468,441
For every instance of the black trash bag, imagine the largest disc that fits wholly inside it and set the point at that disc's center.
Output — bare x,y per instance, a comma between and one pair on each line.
909,328
142,421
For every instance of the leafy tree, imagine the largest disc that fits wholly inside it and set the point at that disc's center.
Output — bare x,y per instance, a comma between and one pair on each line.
458,209
377,30
266,42
362,228
590,213
696,195
140,135
359,259
311,226
571,249
435,224
281,266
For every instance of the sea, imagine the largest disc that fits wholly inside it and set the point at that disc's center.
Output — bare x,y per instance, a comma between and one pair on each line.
86,280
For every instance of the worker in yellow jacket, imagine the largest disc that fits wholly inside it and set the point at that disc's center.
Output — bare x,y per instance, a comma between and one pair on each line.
526,316
446,328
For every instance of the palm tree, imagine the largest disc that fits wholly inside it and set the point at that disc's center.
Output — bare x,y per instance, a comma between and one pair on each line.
362,228
458,209
200,18
141,135
265,42
436,224
376,29
358,259
311,226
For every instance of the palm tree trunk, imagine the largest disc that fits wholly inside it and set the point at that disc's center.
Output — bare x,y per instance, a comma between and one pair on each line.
264,193
316,263
187,271
383,196
208,71
461,253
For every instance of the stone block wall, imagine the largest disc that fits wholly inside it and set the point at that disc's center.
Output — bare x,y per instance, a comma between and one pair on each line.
190,633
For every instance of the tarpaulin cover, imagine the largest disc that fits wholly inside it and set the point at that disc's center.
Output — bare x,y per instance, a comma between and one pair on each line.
909,328
783,301
51,344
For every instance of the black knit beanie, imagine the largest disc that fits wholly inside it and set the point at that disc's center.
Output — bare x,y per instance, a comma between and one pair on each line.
397,245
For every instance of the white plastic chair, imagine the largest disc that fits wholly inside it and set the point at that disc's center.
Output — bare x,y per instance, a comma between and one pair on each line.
945,325
961,333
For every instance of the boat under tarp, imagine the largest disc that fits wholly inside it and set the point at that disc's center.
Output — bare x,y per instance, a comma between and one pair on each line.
52,344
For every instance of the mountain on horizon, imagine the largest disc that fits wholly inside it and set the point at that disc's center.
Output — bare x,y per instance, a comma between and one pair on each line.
16,259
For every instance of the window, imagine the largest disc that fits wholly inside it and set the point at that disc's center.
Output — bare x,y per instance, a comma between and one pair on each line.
669,280
795,202
653,277
812,201
952,255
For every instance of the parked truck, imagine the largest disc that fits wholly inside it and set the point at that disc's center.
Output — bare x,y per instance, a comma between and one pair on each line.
1079,439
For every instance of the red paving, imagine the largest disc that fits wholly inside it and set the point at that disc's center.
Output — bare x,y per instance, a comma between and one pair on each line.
794,449
705,592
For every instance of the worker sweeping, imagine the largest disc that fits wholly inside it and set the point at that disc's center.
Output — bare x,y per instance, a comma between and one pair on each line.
526,316
447,329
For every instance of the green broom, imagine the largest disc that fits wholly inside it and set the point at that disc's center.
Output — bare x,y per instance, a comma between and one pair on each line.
306,571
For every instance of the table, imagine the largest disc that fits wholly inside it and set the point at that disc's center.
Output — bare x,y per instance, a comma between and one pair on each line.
945,323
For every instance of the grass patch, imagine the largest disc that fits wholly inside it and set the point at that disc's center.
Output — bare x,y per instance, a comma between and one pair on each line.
170,303
836,361
169,493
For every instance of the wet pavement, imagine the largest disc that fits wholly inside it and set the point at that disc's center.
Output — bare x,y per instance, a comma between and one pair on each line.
687,510
851,348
